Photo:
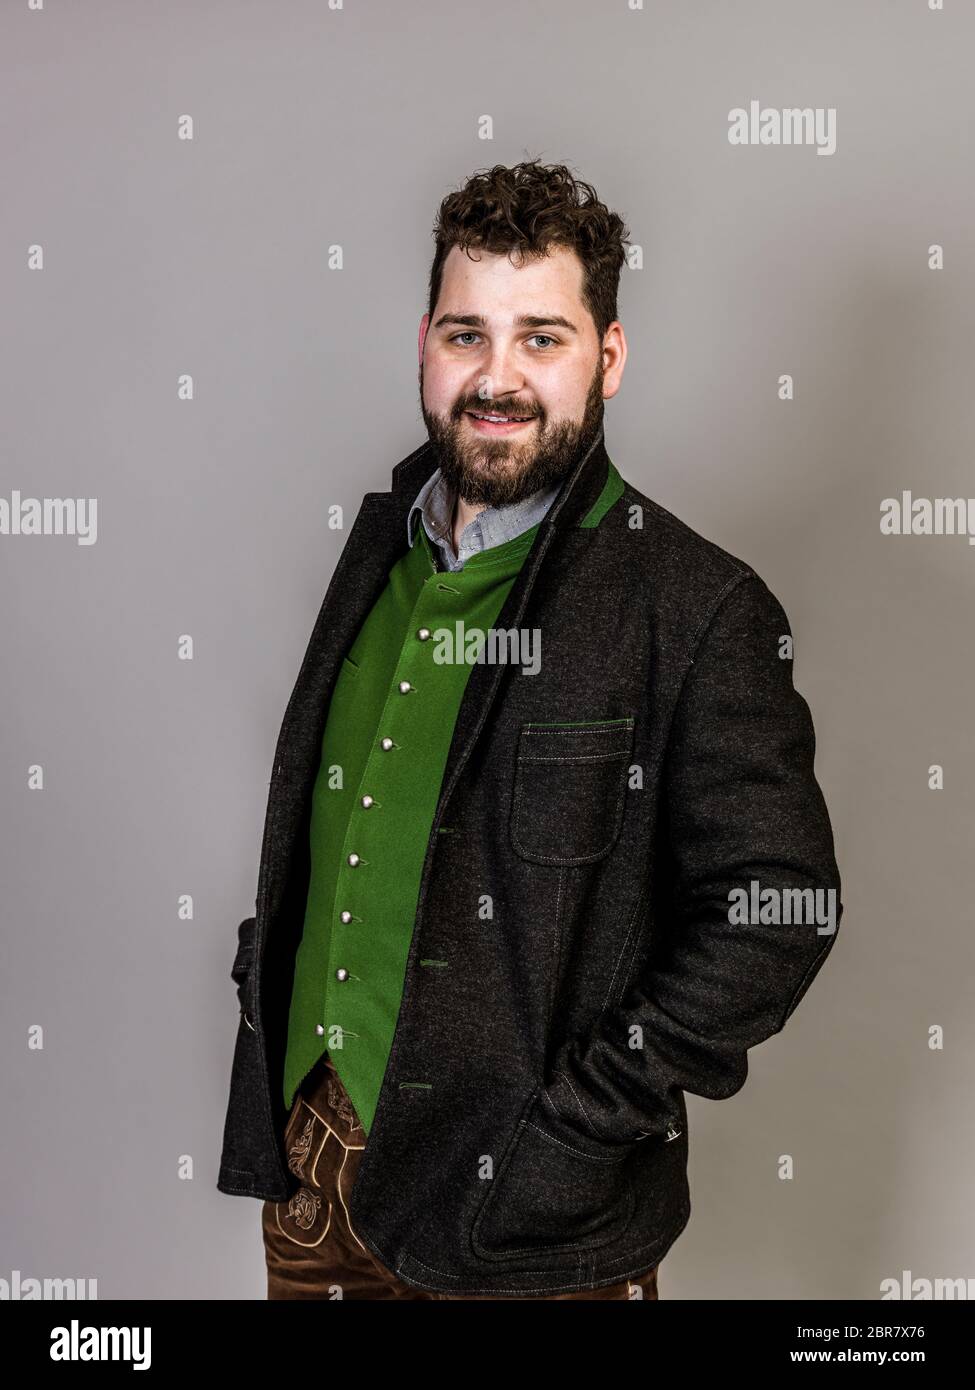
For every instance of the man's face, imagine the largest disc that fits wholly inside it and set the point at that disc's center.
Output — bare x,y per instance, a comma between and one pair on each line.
513,340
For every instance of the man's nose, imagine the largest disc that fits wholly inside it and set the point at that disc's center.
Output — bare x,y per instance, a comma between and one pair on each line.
500,376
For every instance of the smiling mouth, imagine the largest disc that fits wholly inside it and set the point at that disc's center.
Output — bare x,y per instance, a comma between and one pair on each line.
493,421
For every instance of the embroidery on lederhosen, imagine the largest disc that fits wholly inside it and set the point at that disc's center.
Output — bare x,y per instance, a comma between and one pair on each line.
340,1102
300,1150
304,1206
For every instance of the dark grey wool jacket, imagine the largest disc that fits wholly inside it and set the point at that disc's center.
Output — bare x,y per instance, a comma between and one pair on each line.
673,768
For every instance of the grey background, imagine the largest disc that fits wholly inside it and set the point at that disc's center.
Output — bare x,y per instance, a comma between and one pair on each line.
162,256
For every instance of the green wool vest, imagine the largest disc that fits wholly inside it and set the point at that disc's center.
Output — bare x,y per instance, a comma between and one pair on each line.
387,735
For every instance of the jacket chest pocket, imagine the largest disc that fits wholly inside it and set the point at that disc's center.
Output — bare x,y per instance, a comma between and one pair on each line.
569,790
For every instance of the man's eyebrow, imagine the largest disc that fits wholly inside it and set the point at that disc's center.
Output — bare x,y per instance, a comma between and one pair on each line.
522,321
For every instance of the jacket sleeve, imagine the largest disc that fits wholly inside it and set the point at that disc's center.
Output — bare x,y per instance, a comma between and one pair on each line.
740,804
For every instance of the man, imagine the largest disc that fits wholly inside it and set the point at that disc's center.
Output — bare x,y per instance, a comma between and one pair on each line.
544,847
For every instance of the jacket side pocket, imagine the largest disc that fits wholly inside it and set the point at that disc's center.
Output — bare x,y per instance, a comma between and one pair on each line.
552,1192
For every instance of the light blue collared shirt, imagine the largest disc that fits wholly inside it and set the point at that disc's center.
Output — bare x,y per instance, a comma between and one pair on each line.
492,526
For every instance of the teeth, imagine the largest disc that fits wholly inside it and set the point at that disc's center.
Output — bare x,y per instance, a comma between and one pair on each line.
501,419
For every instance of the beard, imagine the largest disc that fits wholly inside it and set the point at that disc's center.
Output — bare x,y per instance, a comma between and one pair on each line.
498,472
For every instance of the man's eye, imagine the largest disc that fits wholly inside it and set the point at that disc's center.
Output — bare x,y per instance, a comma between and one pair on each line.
469,333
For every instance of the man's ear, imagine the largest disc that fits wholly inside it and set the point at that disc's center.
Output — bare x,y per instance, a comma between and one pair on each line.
424,325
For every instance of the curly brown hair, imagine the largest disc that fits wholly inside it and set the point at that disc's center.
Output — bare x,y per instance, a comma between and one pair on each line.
530,208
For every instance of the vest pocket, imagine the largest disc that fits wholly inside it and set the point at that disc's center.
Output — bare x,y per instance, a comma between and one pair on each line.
569,790
552,1192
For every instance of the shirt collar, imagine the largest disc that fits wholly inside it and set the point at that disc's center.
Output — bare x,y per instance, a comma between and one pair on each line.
492,526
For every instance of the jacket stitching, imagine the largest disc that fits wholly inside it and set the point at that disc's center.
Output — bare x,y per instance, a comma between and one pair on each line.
578,1102
569,1148
671,1235
550,1288
619,959
529,732
712,612
556,949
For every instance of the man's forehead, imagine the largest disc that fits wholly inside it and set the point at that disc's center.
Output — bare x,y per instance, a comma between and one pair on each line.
557,278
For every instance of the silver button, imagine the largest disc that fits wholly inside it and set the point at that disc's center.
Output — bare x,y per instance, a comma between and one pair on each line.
320,1029
341,973
386,744
367,801
353,860
346,916
423,633
405,687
